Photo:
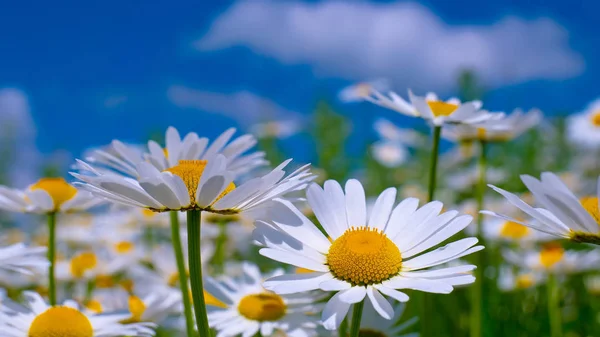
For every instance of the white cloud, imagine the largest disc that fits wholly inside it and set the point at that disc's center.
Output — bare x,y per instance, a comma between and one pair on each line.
403,41
244,107
17,138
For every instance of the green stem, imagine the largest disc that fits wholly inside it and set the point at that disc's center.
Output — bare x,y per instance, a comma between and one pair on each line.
356,317
425,304
437,131
182,273
219,258
89,289
51,257
554,306
477,287
343,330
193,226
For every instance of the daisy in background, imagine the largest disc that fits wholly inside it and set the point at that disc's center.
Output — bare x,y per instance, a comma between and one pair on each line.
39,319
364,254
502,130
554,259
509,280
359,91
467,178
124,159
561,214
394,147
276,129
22,259
504,231
584,128
250,309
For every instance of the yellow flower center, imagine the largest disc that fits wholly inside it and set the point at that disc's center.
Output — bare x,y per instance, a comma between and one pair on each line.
211,300
59,190
301,270
595,119
551,254
82,263
262,307
363,256
513,230
190,171
94,306
524,281
370,333
591,206
127,284
440,108
136,308
105,281
148,213
60,321
124,247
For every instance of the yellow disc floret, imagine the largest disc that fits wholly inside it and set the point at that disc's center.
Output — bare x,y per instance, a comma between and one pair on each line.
591,206
137,307
124,247
59,190
440,108
524,281
60,321
190,171
513,230
551,254
209,299
364,256
262,307
82,263
595,118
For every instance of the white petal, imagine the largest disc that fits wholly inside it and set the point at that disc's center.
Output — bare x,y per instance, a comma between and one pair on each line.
380,304
382,209
356,207
334,285
393,293
334,312
353,295
296,283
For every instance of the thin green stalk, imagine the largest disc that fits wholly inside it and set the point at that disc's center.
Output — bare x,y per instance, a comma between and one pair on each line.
477,287
554,307
182,271
89,289
193,226
51,257
219,258
425,304
356,317
437,131
343,330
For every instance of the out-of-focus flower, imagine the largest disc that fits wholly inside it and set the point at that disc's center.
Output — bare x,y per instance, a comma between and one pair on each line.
360,91
553,258
584,128
276,129
364,254
125,159
508,280
501,130
194,185
561,213
393,148
47,195
42,320
250,309
468,178
23,259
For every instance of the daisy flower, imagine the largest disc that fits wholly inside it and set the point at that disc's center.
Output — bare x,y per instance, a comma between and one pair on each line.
276,129
508,280
433,109
584,128
501,230
553,258
125,159
393,148
47,195
250,309
67,320
358,92
364,254
502,130
193,185
561,213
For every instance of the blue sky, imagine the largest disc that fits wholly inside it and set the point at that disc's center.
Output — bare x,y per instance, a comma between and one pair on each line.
92,72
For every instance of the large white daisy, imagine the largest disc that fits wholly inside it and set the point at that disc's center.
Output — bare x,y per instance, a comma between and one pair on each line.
561,213
47,195
364,254
42,320
249,308
124,159
193,185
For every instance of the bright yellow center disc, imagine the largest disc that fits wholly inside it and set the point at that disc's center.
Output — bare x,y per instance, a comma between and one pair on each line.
190,171
262,307
440,108
59,190
60,321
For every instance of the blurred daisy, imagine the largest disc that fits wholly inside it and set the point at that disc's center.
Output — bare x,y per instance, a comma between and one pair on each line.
47,195
584,128
360,91
393,148
125,159
194,185
23,259
592,283
250,309
276,129
553,258
500,230
562,214
372,324
467,179
434,110
505,129
365,254
87,265
508,280
42,320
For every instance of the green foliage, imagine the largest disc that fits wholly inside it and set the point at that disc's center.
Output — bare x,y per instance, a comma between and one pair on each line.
330,133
